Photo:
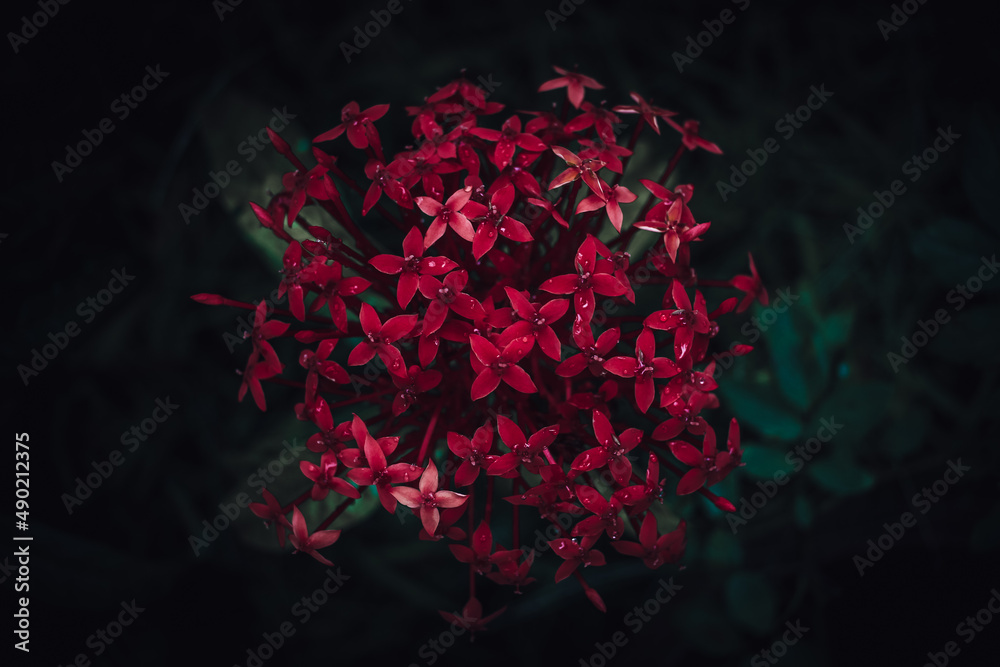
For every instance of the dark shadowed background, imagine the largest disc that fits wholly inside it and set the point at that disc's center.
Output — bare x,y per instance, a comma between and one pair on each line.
851,295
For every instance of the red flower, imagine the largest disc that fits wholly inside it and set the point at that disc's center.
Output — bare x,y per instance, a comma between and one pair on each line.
445,297
310,544
592,354
522,451
575,554
612,451
650,114
493,219
272,511
685,321
383,180
324,478
447,215
332,286
640,496
752,286
380,339
536,322
607,513
601,119
574,83
416,381
318,365
412,264
591,276
493,365
480,555
378,473
472,617
263,362
428,498
354,121
474,453
643,367
684,415
513,574
577,167
708,466
690,137
608,197
653,551
507,138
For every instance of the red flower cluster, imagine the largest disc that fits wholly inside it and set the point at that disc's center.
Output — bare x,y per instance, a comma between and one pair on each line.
503,322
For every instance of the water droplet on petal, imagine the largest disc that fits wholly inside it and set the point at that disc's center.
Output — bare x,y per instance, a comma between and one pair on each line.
431,264
491,233
663,317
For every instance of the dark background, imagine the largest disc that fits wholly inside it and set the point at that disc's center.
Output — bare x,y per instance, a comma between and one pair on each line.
825,357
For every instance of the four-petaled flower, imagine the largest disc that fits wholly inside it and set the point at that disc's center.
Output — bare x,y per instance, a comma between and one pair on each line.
445,297
493,365
379,339
684,321
354,121
536,322
475,453
574,83
310,544
591,276
576,553
381,475
428,498
412,265
708,465
644,366
526,451
650,113
655,551
324,478
271,510
607,514
493,220
612,451
608,197
509,136
448,214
